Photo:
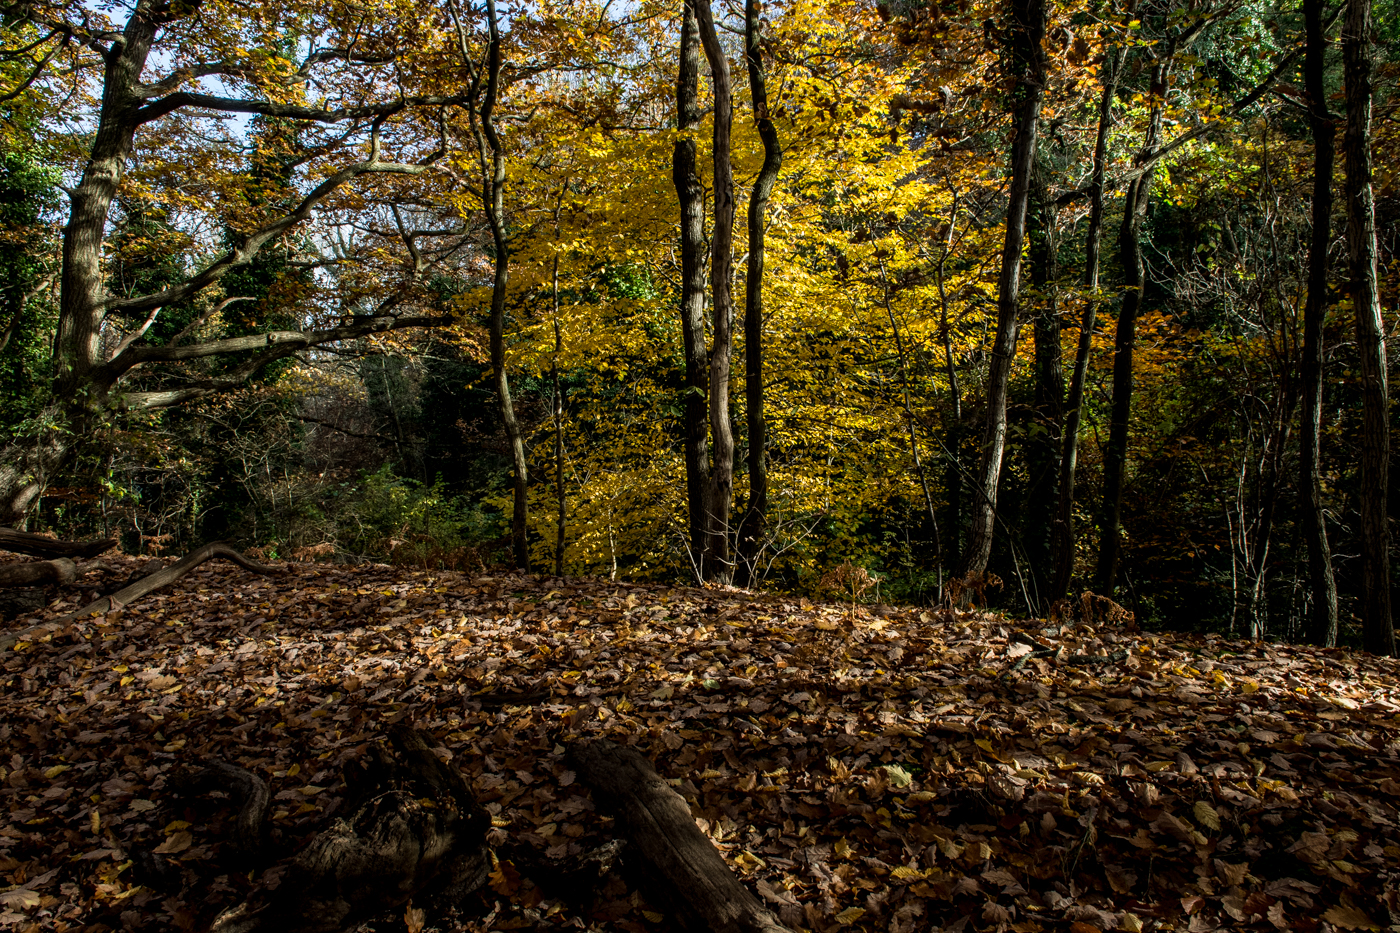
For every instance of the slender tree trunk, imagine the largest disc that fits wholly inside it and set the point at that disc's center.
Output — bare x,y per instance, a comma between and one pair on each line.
1322,624
953,471
1270,480
1063,533
493,173
1377,628
1028,61
755,522
691,194
560,500
909,420
718,565
1125,340
1043,444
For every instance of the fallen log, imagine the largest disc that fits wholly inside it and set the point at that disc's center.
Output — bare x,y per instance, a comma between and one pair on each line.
60,570
419,836
32,545
681,864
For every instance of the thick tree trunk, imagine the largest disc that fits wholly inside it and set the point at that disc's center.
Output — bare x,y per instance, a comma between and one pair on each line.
1322,621
755,522
1377,628
1064,537
718,565
684,871
1028,63
691,194
1125,340
1043,442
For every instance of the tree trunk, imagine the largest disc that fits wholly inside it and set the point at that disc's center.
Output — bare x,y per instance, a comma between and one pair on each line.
718,565
683,869
1378,632
691,194
493,197
755,522
1064,538
560,500
1043,442
1028,64
1322,622
1125,339
952,450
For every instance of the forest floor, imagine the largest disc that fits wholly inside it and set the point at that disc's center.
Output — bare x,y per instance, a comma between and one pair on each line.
873,769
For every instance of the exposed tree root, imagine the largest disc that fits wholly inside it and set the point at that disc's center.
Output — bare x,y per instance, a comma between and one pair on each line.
142,587
418,835
682,866
168,575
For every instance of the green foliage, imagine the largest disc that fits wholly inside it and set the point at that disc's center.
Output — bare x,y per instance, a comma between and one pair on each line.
28,192
387,517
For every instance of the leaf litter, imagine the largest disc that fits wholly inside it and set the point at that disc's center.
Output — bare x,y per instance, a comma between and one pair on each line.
861,770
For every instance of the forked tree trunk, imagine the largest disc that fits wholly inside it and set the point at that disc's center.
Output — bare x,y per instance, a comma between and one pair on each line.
755,522
1028,65
718,565
1322,621
691,194
1378,631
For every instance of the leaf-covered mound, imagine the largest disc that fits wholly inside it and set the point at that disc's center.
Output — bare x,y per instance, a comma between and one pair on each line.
895,770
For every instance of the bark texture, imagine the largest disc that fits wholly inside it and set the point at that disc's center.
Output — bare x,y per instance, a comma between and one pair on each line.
1322,621
684,870
1063,537
755,522
1028,64
1125,336
718,565
691,194
32,545
1378,633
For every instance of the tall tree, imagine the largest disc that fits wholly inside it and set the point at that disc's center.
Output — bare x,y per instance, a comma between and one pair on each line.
1043,440
1026,61
1063,534
1378,630
1125,335
691,194
717,563
485,87
1323,620
157,65
755,521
